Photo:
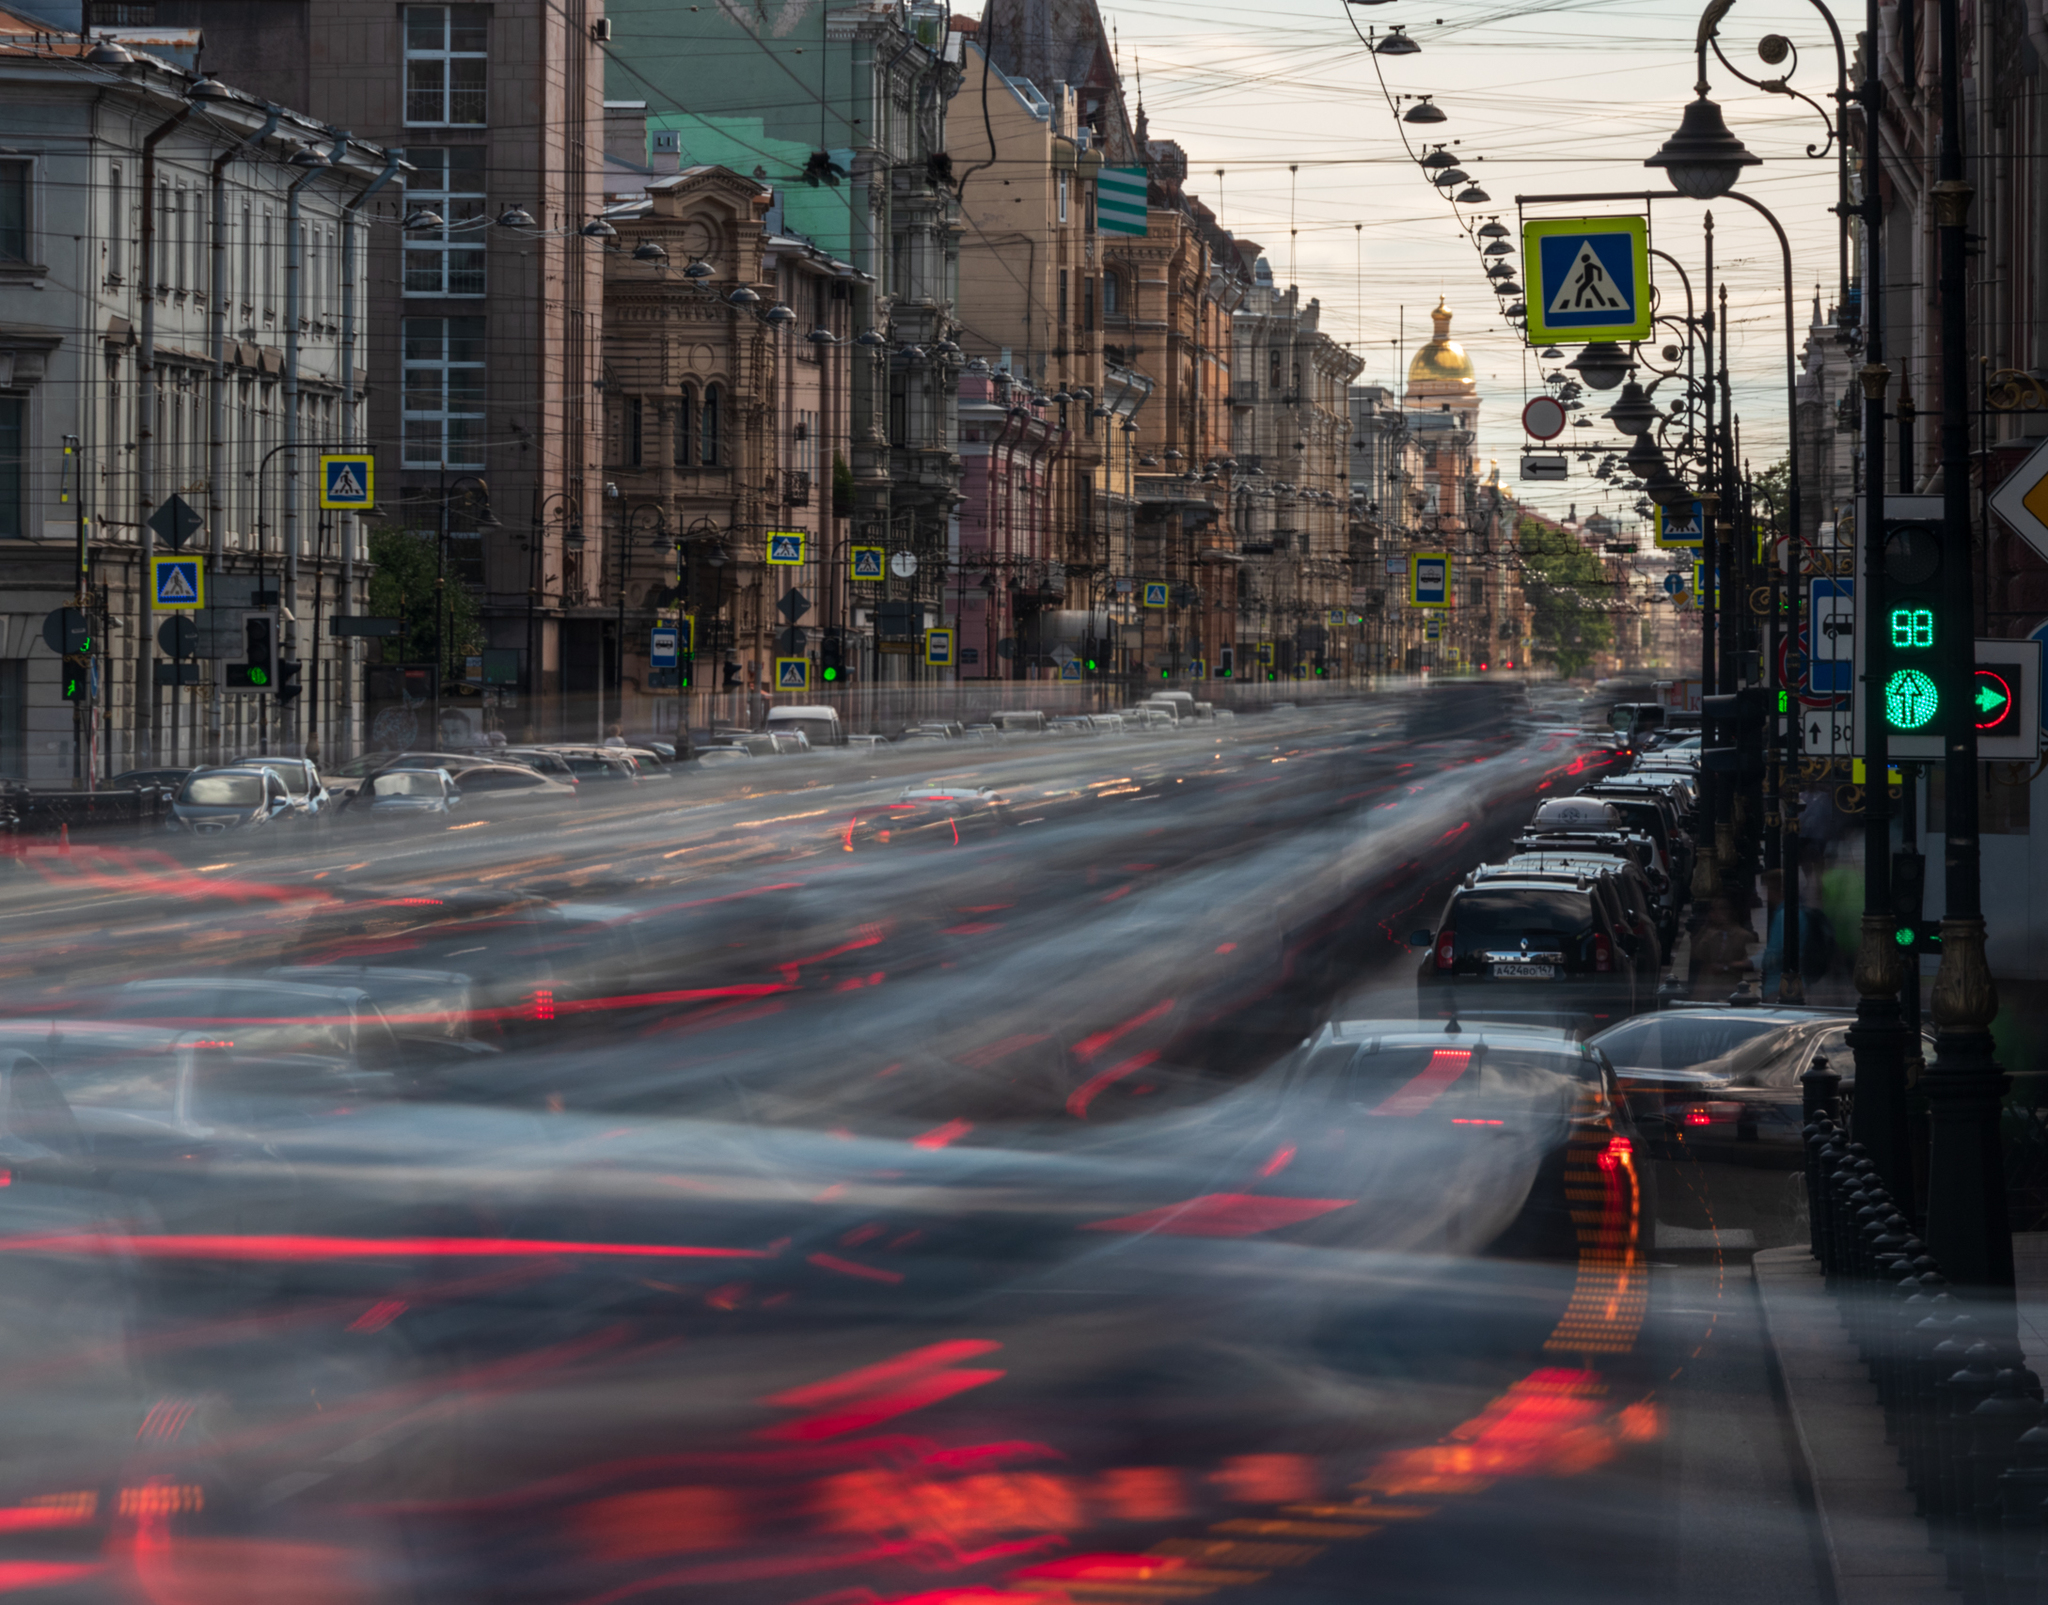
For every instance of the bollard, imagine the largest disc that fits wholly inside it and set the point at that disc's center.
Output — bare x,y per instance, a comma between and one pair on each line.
2015,1571
1824,1154
1834,1155
1995,1429
1915,1298
1949,1509
1943,1359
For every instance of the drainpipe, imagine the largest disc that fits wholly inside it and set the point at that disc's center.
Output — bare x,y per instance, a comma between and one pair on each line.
351,528
145,441
217,401
294,271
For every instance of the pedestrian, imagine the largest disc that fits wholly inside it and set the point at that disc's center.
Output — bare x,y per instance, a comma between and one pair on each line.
1720,953
1816,935
614,736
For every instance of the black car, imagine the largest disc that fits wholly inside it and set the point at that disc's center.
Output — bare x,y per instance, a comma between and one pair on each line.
1719,1081
1533,949
1631,884
1656,815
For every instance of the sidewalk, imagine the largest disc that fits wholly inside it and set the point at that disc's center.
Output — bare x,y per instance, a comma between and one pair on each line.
1877,1548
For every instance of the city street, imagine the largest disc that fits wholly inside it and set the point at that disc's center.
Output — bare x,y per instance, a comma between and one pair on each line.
925,1232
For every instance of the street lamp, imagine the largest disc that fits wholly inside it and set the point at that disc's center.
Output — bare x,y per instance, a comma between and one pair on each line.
1703,159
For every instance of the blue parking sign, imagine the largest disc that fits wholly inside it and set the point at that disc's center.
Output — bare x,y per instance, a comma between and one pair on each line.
661,648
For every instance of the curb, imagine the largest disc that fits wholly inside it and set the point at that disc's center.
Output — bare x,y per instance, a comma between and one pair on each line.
1877,1549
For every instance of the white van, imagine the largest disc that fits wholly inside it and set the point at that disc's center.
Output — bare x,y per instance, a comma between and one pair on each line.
1181,704
819,726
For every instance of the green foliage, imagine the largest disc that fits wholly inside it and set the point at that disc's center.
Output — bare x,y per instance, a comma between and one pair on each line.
1772,486
404,569
842,487
1567,587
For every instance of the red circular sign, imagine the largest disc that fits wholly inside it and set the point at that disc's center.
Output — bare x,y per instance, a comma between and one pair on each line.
1544,418
1993,699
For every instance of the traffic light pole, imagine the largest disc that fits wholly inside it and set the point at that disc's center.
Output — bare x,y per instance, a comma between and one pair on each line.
1876,1039
1968,1229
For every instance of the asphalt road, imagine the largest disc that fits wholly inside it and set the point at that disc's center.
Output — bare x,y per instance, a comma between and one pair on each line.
832,1270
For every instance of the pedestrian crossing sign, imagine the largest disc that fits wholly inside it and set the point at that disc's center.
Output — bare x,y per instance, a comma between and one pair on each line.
786,549
1682,529
1588,278
178,583
867,563
1198,669
938,648
349,481
792,674
1071,669
1157,593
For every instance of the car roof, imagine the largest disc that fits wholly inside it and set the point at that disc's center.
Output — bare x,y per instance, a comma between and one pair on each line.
1524,880
196,983
1470,1033
801,711
1766,1012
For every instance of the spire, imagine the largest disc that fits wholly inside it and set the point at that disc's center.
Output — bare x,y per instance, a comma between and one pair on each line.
1138,71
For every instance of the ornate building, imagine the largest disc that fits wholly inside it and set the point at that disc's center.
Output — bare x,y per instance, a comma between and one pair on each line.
1440,410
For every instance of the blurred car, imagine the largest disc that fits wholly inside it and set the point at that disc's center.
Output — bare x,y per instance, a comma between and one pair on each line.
1499,1130
820,726
267,1015
1529,948
406,796
720,755
162,779
604,766
301,778
1019,721
431,1013
500,785
215,802
1724,1080
926,819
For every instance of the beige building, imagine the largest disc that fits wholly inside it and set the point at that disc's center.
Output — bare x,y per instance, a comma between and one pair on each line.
1440,410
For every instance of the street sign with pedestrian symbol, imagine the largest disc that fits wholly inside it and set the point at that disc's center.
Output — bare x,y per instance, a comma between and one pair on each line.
1429,579
1071,669
1588,278
1198,669
1157,593
867,563
785,547
1683,529
178,583
792,674
661,648
348,481
938,648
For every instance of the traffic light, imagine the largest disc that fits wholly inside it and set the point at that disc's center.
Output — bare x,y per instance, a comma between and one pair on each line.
1915,933
1924,654
288,686
1322,667
77,682
1734,743
832,656
259,645
732,675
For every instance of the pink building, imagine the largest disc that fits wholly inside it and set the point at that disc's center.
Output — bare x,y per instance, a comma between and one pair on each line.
1009,586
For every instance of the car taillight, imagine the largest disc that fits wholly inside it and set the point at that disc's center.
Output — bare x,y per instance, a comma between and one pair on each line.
541,1006
1446,947
1603,953
1699,1115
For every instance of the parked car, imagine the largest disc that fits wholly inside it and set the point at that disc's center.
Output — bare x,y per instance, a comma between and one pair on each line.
495,786
1632,883
819,726
541,761
301,779
1635,924
162,779
746,746
1529,949
1651,811
1019,721
216,802
599,765
406,796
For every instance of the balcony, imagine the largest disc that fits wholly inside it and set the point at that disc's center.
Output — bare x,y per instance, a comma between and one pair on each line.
1244,392
796,487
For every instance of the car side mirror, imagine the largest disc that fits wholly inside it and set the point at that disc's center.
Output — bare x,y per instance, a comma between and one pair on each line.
1421,939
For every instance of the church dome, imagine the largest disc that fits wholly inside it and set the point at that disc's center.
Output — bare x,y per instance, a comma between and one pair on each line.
1441,368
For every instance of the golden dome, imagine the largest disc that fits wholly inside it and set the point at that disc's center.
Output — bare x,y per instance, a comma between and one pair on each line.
1442,362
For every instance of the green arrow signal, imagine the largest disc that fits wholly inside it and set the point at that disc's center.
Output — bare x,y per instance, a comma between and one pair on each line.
1989,698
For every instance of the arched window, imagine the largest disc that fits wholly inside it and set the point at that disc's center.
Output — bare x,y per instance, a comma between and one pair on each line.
707,452
686,421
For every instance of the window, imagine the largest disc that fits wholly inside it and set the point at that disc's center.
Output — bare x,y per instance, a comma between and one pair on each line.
1063,298
631,458
1273,370
1061,184
1088,303
444,392
707,435
14,211
1112,296
447,259
686,415
117,220
444,66
13,426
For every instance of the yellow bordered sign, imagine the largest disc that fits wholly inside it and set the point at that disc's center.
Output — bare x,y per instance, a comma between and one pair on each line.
1429,579
177,584
1588,278
348,481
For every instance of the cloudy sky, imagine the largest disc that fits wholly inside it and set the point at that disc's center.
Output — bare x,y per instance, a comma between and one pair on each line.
1559,97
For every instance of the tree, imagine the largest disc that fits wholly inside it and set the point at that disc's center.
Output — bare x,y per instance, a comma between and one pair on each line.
1567,587
404,570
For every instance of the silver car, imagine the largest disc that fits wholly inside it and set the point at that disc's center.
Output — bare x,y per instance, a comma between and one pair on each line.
215,802
301,779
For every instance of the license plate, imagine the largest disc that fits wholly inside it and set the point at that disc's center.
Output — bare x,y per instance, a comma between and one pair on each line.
1525,972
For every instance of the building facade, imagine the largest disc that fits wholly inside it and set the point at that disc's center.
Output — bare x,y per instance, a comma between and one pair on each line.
483,329
182,308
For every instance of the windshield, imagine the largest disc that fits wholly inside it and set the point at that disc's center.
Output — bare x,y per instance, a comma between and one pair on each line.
1682,1041
224,791
407,783
292,774
1489,916
819,732
107,1076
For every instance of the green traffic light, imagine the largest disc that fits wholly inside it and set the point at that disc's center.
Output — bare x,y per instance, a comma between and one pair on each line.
258,676
1911,699
1165,674
1091,665
1903,937
831,673
1912,628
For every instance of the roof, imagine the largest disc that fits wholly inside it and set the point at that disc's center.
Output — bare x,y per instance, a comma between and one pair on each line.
1410,1033
1441,367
